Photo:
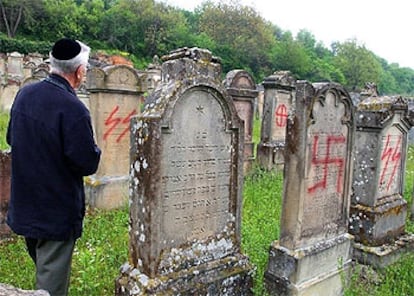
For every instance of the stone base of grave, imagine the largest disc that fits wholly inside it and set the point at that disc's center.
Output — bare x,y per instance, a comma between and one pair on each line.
382,224
8,290
227,276
107,192
382,256
321,269
5,232
271,156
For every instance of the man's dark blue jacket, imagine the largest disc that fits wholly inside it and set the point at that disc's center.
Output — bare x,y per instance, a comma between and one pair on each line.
52,148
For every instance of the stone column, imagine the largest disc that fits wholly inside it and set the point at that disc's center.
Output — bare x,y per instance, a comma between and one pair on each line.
5,176
278,96
314,251
186,185
114,99
241,87
378,209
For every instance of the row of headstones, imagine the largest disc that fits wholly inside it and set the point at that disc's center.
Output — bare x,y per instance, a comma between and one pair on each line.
189,170
186,176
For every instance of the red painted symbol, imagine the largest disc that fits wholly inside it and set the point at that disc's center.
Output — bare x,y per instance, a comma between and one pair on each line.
113,121
326,161
281,115
392,156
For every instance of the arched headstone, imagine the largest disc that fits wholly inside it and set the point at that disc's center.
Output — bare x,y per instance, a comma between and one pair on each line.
241,87
115,97
186,184
314,235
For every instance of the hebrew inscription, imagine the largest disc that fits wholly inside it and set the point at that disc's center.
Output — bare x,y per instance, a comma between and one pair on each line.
196,178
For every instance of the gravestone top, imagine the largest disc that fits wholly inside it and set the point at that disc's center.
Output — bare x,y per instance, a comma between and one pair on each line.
281,79
239,79
376,112
116,78
383,103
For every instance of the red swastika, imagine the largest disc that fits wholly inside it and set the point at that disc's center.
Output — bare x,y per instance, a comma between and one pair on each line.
112,121
326,161
281,115
392,156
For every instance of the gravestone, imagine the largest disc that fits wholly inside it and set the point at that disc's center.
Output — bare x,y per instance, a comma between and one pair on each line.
186,185
5,176
279,91
115,97
8,290
378,209
38,73
314,251
241,87
153,74
15,66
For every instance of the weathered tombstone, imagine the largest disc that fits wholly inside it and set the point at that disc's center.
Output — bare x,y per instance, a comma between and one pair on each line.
3,68
241,87
279,91
153,74
8,93
314,251
5,175
37,74
8,290
15,66
114,99
378,209
186,185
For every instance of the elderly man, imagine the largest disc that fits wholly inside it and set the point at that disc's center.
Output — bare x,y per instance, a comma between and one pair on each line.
53,147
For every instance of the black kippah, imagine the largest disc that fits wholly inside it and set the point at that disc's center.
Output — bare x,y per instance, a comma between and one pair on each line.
66,49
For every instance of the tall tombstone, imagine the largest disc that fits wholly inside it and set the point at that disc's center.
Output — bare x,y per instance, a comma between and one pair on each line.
314,250
241,87
5,178
186,186
114,99
378,209
279,91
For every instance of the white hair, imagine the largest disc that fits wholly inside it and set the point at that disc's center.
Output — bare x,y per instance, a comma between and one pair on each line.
70,66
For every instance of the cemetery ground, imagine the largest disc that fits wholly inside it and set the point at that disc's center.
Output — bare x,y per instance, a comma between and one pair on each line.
104,245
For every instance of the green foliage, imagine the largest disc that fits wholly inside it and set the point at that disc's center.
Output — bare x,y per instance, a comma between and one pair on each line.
4,120
358,64
23,45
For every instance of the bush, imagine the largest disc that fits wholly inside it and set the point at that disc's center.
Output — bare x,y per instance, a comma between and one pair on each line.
23,46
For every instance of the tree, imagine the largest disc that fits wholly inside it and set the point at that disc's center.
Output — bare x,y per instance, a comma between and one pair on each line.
16,12
358,64
289,54
243,38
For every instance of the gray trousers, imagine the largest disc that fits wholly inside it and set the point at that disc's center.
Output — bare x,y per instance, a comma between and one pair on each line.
53,261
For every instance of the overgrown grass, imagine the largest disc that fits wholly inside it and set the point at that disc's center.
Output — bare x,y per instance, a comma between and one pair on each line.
104,245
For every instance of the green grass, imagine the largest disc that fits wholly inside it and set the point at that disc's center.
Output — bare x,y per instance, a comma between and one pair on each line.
4,120
104,245
97,258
